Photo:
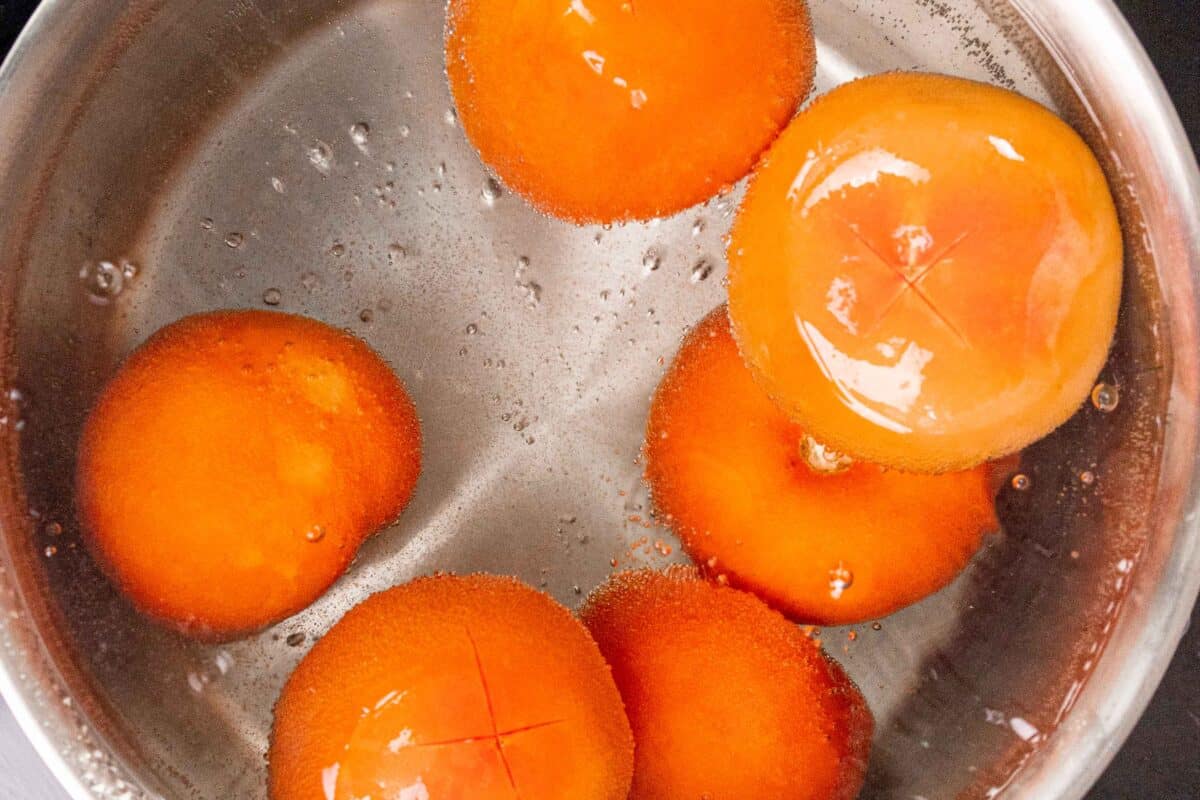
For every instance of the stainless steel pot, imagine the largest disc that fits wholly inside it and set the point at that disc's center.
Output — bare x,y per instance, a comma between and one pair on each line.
159,157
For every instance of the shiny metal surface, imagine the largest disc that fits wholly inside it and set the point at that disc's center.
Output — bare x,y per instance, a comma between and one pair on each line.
232,151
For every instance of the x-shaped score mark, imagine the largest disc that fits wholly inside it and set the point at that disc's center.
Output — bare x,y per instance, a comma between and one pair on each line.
912,284
496,735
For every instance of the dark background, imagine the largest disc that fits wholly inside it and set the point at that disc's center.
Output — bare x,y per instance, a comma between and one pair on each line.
1161,760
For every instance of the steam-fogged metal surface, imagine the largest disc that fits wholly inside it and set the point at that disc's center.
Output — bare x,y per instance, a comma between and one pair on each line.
305,156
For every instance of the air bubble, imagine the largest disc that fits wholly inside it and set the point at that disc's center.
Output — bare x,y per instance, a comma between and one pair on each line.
223,662
197,682
359,132
277,185
320,156
491,192
314,534
234,240
651,261
272,297
823,460
701,270
103,280
533,293
840,579
1022,482
1106,397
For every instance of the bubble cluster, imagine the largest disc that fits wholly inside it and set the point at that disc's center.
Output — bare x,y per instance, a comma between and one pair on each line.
104,280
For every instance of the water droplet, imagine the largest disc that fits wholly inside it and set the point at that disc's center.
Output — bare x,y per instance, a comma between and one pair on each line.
277,185
234,240
309,281
491,192
294,639
1022,482
207,223
320,156
698,227
337,250
366,315
359,132
1087,477
701,270
651,261
50,550
1106,397
314,534
451,117
472,329
876,626
52,528
272,297
840,579
405,131
823,460
522,265
396,253
103,280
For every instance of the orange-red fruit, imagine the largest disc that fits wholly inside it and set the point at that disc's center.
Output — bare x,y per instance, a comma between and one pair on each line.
728,701
236,461
728,470
926,271
611,110
449,688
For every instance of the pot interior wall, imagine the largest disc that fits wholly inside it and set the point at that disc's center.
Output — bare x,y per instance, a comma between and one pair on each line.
206,151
